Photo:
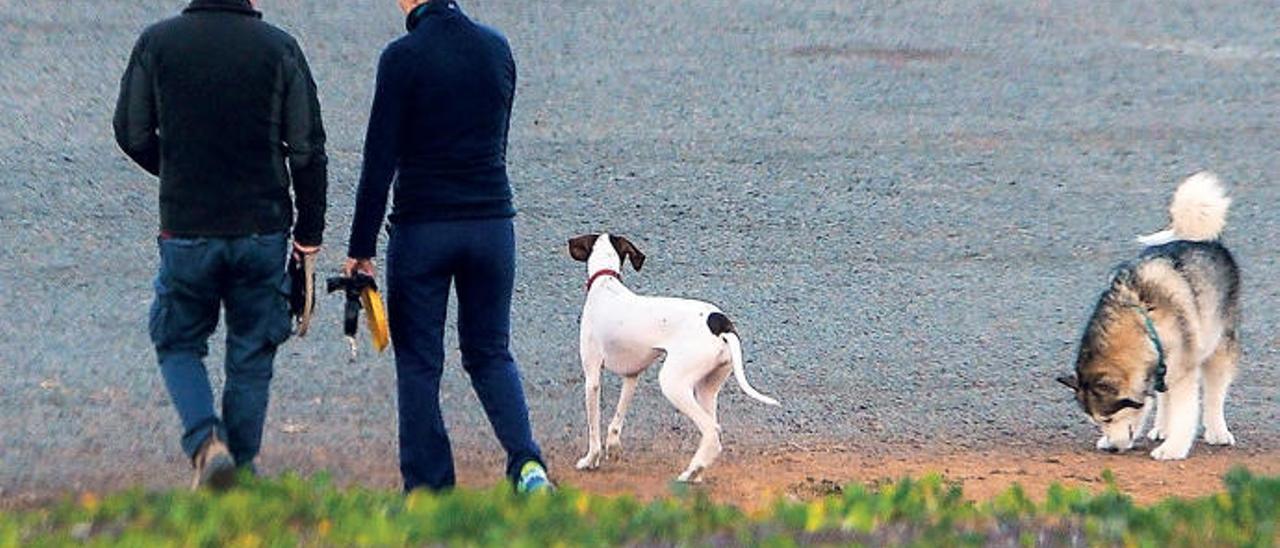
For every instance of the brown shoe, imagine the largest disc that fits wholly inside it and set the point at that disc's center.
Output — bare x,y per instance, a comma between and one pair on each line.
214,465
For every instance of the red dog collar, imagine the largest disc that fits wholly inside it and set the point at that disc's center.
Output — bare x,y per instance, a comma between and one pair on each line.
606,272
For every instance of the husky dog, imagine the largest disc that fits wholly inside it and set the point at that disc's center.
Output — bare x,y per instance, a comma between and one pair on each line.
1168,321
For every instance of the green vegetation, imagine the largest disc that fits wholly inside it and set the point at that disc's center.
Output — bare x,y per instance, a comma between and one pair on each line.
929,511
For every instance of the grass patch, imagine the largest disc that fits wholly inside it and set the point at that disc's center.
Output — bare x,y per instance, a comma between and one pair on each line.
929,511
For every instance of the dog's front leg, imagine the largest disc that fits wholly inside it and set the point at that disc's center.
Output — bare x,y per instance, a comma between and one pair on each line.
1160,429
1183,400
592,363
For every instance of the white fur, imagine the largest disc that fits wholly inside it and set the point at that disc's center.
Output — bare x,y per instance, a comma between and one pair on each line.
1161,425
625,333
1183,419
1219,371
1197,213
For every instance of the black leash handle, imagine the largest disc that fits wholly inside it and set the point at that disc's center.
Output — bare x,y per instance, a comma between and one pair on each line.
351,316
353,286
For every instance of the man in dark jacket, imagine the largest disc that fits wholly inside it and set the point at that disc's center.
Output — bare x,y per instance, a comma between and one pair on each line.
222,108
439,128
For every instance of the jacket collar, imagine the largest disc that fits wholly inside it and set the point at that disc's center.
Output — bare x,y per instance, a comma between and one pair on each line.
432,7
237,6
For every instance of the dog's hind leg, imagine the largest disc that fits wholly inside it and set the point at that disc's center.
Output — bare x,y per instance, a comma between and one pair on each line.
708,389
1219,370
592,363
678,379
613,443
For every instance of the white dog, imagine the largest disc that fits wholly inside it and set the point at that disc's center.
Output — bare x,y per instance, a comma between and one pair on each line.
626,333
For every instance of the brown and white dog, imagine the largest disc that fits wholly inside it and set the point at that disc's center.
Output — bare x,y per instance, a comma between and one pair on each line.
626,333
1166,327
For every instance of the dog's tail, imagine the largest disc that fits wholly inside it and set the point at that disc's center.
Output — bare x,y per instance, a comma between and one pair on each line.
739,371
1198,212
722,327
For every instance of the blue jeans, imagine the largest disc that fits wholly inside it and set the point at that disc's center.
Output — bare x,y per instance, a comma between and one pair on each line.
197,277
478,257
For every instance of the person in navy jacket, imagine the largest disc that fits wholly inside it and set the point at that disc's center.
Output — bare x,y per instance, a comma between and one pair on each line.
438,130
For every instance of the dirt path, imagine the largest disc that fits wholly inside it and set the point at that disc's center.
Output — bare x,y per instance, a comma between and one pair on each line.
751,480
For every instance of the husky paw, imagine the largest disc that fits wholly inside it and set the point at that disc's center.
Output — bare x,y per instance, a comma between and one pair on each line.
1166,451
591,461
1155,434
613,448
1104,444
1219,437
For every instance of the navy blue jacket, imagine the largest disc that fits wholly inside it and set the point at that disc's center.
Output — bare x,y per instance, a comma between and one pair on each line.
439,124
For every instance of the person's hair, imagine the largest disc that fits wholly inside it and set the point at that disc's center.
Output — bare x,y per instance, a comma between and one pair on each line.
408,5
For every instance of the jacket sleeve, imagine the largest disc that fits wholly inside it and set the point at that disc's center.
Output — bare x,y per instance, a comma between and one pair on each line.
511,96
303,132
135,121
381,156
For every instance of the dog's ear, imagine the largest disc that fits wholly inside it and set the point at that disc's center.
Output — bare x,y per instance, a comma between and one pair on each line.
1122,276
628,250
1070,381
580,246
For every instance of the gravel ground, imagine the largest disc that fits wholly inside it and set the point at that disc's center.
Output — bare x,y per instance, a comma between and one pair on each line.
908,209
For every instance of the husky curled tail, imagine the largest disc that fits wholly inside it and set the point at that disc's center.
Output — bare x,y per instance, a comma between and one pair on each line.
1198,212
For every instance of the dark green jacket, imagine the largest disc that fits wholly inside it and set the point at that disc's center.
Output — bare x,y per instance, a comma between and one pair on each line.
222,107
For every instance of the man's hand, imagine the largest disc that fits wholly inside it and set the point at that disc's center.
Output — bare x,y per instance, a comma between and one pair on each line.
354,265
299,250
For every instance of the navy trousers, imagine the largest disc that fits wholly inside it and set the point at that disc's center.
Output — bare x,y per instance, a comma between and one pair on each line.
197,278
478,258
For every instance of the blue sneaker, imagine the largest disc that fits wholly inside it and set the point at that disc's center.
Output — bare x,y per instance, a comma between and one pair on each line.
533,479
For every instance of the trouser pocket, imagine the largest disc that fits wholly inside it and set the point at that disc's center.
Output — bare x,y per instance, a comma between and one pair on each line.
185,309
275,253
257,298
